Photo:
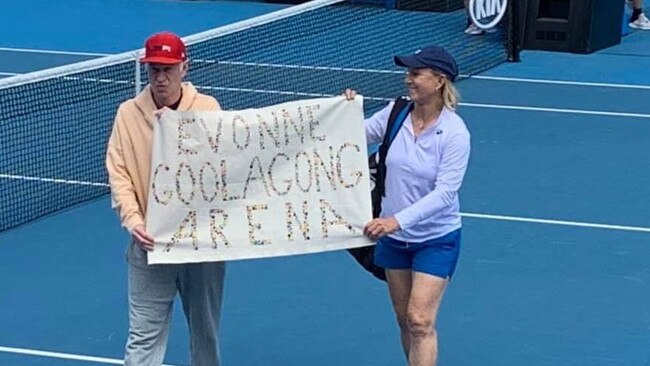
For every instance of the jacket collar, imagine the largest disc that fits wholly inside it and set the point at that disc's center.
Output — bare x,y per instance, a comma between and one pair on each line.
145,103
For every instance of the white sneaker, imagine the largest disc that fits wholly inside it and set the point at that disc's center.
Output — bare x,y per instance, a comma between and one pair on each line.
642,23
473,29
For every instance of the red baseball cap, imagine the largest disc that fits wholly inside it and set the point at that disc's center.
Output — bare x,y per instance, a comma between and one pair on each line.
164,48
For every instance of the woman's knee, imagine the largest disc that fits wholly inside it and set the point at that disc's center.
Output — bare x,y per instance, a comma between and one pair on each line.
420,324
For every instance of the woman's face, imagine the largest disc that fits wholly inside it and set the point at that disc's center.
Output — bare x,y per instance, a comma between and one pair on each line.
424,84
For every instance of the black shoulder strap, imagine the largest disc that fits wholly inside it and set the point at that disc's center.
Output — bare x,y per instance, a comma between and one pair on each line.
401,109
395,123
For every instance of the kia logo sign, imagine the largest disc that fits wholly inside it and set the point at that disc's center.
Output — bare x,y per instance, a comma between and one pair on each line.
487,13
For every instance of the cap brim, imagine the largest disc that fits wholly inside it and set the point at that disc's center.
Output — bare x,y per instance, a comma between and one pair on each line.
408,61
160,60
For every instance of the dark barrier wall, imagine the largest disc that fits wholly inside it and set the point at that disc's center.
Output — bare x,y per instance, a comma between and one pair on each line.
579,26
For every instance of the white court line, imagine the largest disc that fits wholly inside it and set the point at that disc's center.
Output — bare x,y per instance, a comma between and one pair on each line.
556,222
462,76
288,66
559,82
462,104
103,360
8,73
464,214
65,356
53,52
556,110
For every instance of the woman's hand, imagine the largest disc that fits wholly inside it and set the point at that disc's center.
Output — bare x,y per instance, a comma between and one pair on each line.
377,228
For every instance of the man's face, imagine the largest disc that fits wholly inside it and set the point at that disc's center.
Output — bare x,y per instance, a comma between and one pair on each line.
165,79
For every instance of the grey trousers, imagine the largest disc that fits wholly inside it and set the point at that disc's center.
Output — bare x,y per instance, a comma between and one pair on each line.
152,290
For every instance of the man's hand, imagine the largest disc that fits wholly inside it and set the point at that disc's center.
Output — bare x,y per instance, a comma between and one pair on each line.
142,238
349,94
158,113
377,228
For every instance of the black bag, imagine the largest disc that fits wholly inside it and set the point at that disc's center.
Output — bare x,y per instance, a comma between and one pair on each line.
377,166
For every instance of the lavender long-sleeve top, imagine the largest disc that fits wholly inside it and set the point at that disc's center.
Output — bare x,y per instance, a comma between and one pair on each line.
423,174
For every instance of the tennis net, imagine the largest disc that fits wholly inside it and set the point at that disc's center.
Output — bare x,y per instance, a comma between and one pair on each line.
54,124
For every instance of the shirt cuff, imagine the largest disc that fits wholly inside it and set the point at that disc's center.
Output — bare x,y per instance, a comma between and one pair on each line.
405,219
132,221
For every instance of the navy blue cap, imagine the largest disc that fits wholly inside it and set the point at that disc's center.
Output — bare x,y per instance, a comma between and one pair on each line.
433,57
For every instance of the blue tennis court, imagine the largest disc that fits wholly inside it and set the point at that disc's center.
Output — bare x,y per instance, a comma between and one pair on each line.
553,269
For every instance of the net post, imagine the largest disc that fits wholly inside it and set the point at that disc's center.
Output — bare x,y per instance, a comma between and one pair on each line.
513,31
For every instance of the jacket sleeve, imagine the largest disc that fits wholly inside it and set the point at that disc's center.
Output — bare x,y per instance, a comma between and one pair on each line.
376,125
123,198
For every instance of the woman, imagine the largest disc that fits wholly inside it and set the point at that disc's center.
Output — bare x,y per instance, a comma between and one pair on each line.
419,228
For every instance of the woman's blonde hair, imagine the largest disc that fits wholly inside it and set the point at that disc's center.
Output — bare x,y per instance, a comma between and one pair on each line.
450,95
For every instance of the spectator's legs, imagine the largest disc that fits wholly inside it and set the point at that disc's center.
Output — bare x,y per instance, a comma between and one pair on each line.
638,20
471,28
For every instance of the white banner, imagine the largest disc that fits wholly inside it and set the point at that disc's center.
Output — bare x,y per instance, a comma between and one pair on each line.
281,180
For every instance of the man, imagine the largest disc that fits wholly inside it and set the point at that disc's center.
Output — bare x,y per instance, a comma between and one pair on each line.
152,288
